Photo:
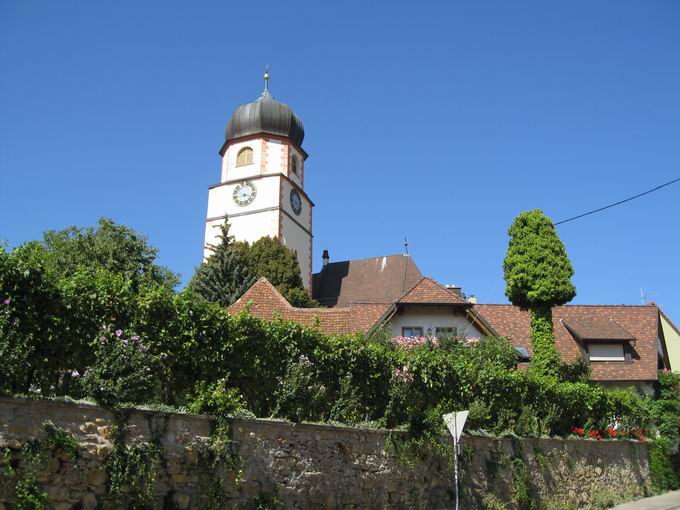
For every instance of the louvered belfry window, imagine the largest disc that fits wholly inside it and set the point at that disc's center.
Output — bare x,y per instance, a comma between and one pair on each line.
245,157
294,165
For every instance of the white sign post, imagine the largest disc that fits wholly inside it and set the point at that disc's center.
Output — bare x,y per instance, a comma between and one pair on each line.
455,422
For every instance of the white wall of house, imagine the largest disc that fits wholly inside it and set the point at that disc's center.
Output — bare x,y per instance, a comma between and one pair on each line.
432,317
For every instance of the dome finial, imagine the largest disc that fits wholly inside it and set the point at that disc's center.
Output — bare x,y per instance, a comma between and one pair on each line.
266,77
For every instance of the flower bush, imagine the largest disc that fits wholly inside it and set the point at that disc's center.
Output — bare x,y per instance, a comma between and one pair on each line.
123,370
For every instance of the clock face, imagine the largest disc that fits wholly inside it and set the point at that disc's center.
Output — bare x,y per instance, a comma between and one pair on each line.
295,202
244,193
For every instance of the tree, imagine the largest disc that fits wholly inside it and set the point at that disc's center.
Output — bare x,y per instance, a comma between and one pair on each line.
538,276
225,275
116,248
269,258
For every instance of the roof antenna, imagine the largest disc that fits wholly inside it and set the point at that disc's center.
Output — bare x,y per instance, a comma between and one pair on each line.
266,77
405,247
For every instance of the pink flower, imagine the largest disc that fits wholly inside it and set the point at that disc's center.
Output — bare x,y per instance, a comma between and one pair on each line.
75,374
119,332
410,342
403,374
7,301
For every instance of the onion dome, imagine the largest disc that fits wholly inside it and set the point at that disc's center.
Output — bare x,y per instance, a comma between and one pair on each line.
265,115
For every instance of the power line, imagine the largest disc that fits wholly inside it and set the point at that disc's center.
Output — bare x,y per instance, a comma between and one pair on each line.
619,202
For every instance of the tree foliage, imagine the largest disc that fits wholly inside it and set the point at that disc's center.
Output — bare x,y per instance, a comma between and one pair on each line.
226,275
538,276
234,266
269,258
537,269
111,246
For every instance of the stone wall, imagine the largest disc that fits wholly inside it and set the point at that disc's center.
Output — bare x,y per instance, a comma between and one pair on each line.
283,465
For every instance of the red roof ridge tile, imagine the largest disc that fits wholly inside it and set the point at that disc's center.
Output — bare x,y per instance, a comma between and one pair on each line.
447,296
261,282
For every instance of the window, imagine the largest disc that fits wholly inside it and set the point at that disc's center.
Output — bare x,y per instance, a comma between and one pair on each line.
523,353
446,332
606,352
245,157
411,331
294,165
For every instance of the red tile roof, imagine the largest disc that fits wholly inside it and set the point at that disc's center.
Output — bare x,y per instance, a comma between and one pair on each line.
597,328
264,301
640,322
428,291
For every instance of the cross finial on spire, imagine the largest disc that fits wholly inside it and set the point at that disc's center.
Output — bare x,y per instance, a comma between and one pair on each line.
266,77
405,246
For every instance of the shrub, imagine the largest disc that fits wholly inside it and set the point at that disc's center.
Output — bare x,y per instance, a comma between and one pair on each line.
663,473
300,395
218,400
123,370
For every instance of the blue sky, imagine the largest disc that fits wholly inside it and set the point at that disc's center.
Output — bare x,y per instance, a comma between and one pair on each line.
435,121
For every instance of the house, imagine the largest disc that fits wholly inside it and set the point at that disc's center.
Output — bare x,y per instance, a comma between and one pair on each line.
625,344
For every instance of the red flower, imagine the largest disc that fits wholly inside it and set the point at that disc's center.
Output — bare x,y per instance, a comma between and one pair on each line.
595,434
611,432
578,431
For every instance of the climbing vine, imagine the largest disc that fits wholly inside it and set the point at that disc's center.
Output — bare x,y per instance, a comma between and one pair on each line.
27,491
132,468
221,461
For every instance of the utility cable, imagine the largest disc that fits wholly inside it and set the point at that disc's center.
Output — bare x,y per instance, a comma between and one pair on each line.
619,202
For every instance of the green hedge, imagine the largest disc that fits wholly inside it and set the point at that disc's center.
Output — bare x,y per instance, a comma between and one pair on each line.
92,334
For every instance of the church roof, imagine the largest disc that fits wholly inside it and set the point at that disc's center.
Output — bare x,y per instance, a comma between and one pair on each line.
265,115
374,280
264,301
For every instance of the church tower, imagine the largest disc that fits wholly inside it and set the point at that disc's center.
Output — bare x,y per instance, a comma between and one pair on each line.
261,188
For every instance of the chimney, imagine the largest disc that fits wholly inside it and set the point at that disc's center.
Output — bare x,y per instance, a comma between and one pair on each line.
455,289
325,257
472,299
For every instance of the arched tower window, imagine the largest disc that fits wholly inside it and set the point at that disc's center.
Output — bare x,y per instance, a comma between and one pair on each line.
245,157
294,165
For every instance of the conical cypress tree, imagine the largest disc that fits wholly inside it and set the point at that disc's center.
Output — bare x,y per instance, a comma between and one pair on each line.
224,276
538,276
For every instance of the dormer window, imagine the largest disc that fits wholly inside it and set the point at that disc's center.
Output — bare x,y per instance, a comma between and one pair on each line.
602,338
294,165
606,352
245,157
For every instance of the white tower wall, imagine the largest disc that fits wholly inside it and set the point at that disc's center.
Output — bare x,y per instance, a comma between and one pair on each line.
270,213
